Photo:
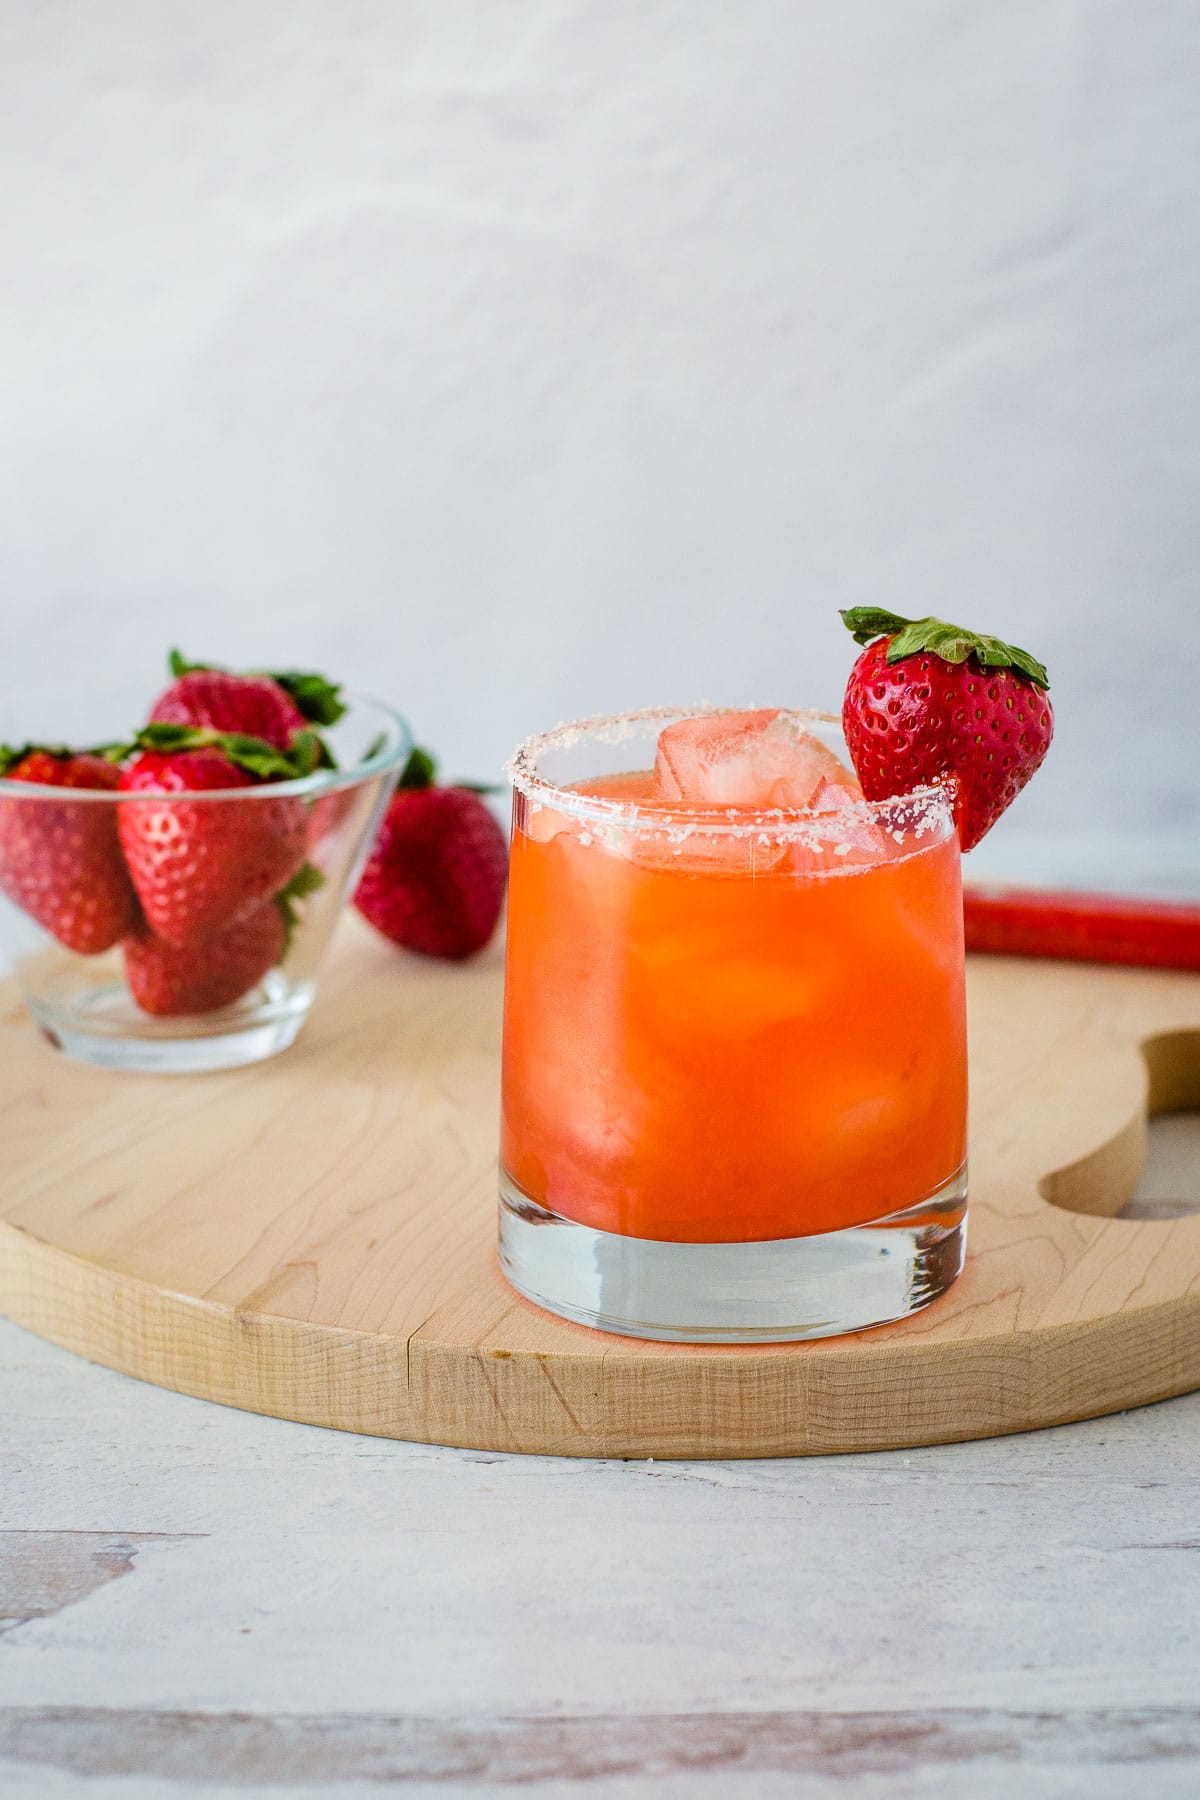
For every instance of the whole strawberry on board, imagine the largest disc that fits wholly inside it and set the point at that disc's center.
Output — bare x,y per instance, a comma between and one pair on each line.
434,880
930,703
61,862
199,864
275,707
202,977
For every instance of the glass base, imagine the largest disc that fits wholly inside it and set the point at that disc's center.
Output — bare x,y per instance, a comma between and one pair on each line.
777,1290
103,1026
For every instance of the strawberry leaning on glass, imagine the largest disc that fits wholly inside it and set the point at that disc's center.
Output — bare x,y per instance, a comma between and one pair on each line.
929,702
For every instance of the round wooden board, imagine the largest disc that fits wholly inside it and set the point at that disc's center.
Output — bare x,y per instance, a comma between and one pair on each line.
315,1238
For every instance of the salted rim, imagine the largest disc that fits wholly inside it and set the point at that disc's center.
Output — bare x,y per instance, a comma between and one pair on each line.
322,781
777,822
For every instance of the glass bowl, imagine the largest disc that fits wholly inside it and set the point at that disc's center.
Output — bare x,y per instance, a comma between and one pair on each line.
230,987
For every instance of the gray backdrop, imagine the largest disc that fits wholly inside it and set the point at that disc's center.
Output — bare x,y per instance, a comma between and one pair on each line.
522,360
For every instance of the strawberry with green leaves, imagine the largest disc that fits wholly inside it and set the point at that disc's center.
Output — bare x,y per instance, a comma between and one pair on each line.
435,878
930,703
275,707
199,861
60,861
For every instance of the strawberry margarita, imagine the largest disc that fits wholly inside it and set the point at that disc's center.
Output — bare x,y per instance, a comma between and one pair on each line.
734,1089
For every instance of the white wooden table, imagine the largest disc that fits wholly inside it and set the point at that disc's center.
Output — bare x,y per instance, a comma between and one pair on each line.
199,1602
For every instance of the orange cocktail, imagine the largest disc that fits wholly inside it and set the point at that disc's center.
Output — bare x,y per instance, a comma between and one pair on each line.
729,1022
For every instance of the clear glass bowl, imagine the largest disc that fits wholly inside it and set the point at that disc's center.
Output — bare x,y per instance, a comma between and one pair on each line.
83,1003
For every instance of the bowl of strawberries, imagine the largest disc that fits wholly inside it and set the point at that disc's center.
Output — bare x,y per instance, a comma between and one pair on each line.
167,889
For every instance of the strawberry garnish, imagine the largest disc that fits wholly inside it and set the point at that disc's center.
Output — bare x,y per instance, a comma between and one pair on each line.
930,703
197,866
274,707
434,880
62,863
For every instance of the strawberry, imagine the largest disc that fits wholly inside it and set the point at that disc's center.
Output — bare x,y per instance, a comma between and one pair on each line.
62,863
167,980
245,703
434,880
929,702
199,864
272,707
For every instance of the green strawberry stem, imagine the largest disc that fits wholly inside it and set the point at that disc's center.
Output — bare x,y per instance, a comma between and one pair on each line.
305,881
317,698
179,665
11,755
311,747
420,771
252,754
952,643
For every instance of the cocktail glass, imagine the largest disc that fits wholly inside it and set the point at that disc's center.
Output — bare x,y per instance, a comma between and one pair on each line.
734,1085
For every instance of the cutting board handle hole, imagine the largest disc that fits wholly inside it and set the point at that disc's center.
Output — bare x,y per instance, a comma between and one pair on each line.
1151,1168
1173,1064
1169,1186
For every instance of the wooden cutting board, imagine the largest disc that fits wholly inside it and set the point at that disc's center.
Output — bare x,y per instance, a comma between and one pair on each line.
315,1238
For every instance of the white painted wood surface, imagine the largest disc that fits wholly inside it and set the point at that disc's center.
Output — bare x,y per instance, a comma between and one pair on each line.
196,1602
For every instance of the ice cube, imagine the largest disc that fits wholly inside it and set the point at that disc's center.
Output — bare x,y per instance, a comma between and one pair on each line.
838,795
542,823
844,829
747,759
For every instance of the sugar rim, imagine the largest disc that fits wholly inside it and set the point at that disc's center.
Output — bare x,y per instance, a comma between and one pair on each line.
933,803
390,754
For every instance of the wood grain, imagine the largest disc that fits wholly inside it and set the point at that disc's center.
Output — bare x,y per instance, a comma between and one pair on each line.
315,1238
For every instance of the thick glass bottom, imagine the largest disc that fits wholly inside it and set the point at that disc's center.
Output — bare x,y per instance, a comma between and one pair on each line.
773,1291
102,1025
